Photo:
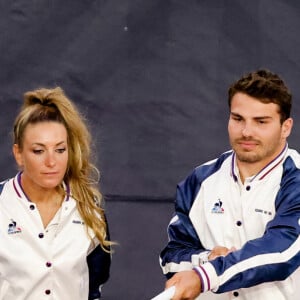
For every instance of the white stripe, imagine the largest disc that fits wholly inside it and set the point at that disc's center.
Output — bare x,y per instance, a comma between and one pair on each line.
173,220
204,279
260,260
174,268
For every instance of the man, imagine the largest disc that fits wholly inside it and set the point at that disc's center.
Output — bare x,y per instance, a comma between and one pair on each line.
235,232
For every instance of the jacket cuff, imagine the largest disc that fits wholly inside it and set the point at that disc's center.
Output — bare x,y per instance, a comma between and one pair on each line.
208,277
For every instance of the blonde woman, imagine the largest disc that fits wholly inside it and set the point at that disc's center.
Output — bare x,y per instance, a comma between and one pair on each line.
53,232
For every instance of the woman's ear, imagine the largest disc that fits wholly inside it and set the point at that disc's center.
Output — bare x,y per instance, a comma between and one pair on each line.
18,155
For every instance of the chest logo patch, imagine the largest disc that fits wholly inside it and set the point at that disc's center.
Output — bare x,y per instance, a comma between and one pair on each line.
77,222
13,228
218,209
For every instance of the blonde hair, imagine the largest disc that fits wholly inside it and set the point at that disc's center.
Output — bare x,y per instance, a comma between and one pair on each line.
82,176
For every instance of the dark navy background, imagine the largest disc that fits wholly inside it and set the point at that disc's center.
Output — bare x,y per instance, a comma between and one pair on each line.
151,78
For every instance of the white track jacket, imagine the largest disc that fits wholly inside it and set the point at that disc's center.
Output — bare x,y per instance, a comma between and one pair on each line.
55,263
260,218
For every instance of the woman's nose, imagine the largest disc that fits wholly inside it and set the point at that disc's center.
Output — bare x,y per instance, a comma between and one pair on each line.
50,160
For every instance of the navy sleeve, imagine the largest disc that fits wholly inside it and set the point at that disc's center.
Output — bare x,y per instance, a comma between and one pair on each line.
183,239
99,262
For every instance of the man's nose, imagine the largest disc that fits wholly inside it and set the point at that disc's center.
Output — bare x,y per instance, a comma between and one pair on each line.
247,130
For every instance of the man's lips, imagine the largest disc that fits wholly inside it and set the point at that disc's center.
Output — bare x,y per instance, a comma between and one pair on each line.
248,144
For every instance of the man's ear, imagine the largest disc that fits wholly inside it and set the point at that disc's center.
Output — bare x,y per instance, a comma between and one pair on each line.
17,154
287,127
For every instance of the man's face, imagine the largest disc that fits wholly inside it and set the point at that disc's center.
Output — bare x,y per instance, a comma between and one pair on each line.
255,131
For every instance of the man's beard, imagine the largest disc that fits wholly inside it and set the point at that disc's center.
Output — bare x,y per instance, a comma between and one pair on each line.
248,157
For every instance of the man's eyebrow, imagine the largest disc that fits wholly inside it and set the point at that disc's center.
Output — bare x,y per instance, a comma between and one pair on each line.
262,117
236,114
256,118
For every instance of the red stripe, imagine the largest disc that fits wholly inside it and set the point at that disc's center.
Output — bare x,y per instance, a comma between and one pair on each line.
206,276
16,189
270,170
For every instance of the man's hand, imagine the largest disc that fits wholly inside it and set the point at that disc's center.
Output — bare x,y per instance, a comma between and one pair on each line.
220,251
187,284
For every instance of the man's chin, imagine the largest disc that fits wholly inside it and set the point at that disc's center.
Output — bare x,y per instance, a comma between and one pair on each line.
247,157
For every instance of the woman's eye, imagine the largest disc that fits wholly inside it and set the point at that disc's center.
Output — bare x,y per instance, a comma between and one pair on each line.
61,150
37,151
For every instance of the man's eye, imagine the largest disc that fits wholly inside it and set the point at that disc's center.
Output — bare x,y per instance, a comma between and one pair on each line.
237,119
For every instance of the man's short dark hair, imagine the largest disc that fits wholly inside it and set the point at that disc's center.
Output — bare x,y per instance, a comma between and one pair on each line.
265,86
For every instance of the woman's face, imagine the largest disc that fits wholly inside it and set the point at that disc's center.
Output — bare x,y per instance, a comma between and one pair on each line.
44,155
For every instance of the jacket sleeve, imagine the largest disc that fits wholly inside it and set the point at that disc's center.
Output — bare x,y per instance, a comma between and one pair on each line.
271,257
99,262
183,239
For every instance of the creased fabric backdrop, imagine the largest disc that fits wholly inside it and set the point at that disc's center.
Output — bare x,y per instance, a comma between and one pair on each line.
151,78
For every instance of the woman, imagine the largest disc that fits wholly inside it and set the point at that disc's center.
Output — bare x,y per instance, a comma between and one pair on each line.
53,233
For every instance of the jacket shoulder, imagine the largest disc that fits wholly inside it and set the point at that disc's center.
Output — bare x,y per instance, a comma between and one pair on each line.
2,184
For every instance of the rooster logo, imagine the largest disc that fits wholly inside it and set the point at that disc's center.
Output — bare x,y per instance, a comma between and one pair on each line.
12,227
218,209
